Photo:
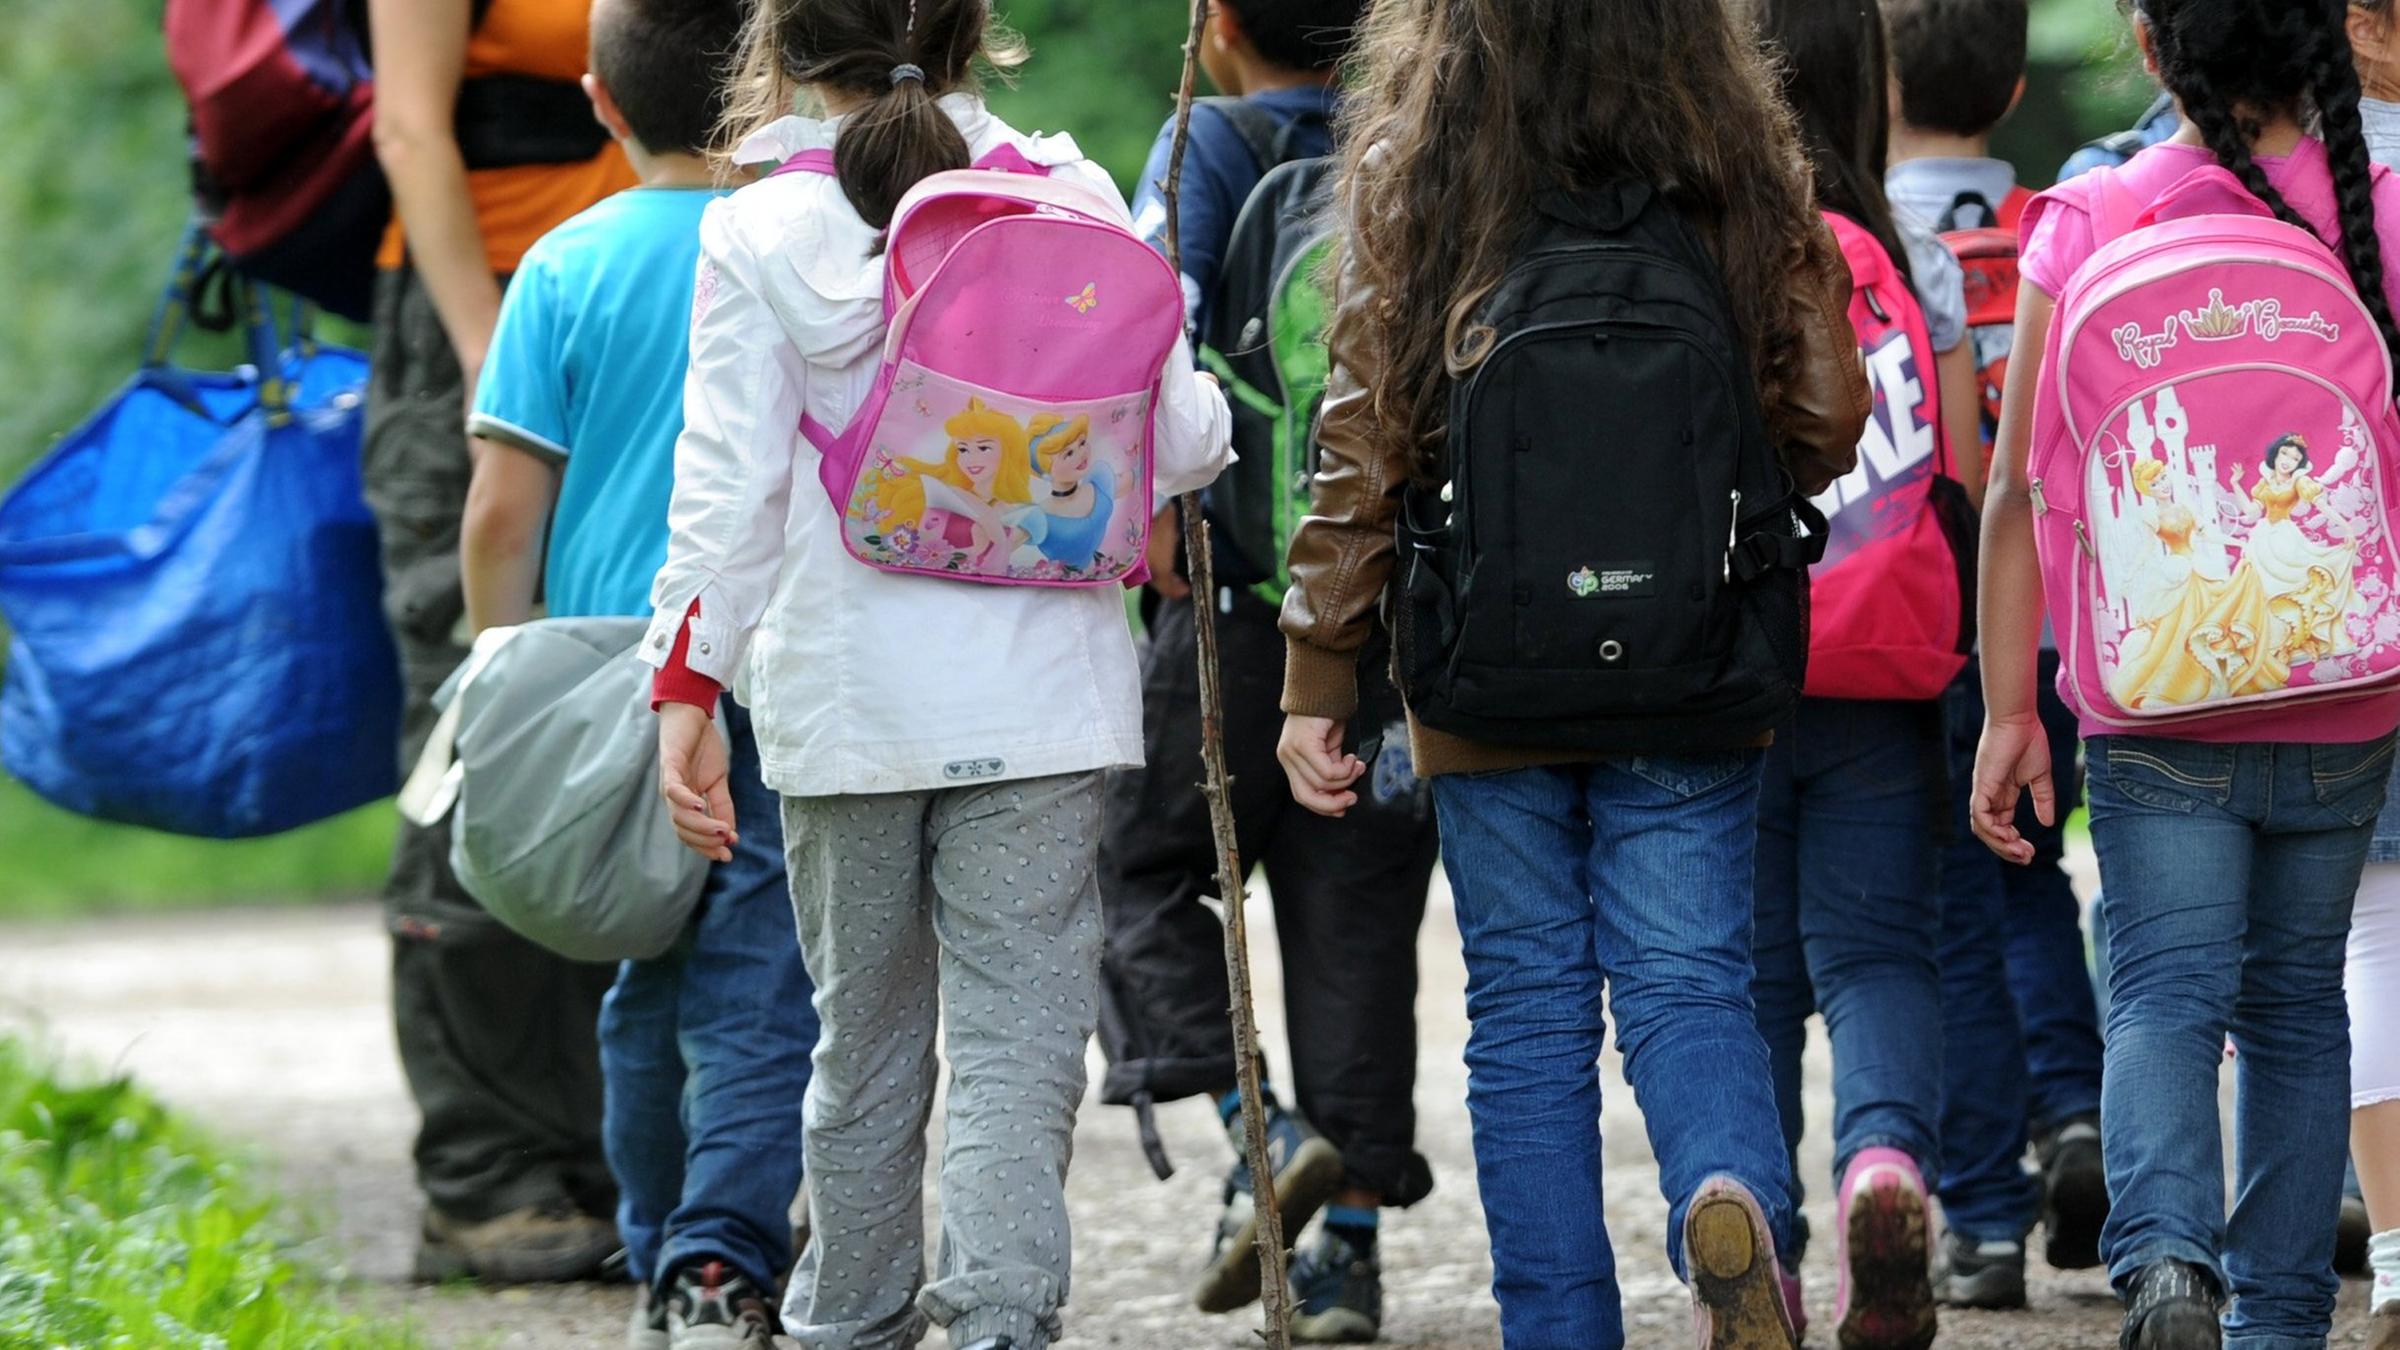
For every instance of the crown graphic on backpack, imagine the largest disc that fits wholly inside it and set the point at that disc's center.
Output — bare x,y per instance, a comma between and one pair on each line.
2214,522
1007,438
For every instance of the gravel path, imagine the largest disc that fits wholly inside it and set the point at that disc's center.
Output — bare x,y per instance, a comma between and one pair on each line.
271,1026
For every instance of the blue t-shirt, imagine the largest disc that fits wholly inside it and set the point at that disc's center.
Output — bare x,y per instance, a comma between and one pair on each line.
586,369
1219,171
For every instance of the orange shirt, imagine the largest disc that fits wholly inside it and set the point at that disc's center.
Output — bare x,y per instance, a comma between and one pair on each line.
515,206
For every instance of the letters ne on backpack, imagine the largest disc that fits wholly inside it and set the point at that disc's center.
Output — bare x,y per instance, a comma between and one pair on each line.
1007,437
1893,603
2217,507
1616,560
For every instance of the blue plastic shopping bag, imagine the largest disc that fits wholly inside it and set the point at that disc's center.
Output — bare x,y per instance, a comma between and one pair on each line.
192,583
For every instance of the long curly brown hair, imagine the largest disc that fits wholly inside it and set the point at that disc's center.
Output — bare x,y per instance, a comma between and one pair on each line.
1465,110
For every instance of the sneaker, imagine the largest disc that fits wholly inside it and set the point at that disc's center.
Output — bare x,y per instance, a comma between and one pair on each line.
1337,1293
1988,1275
715,1307
549,1243
2171,1305
1738,1292
2383,1328
1307,1173
648,1328
2074,1194
991,1343
1795,1299
1884,1300
2350,1238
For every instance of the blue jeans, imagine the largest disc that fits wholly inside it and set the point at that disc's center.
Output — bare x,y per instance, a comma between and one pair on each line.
1848,919
2228,872
706,1055
2047,966
1986,1193
1632,876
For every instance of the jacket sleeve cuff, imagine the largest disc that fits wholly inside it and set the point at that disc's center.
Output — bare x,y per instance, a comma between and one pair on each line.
677,682
1319,683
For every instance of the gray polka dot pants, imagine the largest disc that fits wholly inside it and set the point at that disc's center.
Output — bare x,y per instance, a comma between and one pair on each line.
980,902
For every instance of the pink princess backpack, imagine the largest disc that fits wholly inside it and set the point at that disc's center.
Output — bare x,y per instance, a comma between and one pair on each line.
1007,438
2214,522
1892,604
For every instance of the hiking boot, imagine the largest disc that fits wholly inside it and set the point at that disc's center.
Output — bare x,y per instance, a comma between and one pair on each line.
2383,1328
1307,1173
1988,1275
2350,1238
715,1307
1738,1294
1337,1293
2171,1305
549,1243
1884,1300
648,1328
2074,1194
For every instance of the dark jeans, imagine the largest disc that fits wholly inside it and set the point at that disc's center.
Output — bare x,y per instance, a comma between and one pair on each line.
706,1051
1349,896
496,1034
1848,919
2228,873
1986,1193
2047,965
1629,878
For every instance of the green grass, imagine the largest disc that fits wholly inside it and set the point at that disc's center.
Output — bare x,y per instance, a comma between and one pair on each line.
120,1226
53,863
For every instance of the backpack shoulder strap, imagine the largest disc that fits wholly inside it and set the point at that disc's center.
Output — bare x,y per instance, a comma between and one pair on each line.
1261,132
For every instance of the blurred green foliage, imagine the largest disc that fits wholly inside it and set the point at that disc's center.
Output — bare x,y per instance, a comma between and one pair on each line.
120,1226
92,196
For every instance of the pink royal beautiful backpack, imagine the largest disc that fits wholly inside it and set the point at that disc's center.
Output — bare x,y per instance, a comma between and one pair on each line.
1892,604
1007,437
2214,524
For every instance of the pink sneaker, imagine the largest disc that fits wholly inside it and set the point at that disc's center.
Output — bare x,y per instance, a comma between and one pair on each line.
1884,1300
1795,1301
1736,1302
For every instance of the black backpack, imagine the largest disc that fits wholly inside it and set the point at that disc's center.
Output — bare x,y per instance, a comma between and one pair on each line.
1618,560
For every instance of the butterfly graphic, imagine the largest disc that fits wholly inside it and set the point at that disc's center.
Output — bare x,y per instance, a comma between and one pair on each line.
1088,301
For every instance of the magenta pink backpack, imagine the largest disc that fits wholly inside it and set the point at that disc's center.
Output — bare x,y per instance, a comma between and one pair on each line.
1891,608
2214,525
1007,438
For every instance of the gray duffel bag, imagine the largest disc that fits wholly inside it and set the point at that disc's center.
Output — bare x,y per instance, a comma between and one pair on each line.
546,759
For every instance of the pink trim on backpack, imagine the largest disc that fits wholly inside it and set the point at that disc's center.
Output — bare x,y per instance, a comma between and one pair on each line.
1028,331
2213,475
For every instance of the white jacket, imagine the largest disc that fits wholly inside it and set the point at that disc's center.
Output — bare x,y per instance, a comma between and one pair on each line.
860,680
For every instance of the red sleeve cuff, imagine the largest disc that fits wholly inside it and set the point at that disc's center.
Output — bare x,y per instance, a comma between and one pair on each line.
677,682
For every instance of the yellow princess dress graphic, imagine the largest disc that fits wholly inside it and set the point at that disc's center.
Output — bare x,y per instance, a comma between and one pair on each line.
2308,585
2194,636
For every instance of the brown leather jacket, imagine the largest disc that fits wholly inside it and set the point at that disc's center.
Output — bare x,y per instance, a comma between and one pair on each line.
1342,555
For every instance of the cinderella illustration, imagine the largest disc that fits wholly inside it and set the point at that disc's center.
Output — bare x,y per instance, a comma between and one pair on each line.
1073,502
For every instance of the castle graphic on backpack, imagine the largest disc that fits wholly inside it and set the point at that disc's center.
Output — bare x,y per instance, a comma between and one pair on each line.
1007,437
2217,509
1893,613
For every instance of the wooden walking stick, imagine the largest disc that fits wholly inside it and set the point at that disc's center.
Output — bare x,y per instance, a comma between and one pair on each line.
1274,1293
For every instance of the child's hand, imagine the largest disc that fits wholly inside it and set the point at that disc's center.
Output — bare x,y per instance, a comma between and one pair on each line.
2014,756
693,769
1321,774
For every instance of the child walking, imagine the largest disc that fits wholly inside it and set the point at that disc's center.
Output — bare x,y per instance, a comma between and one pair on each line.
1616,862
2230,847
939,746
2021,1034
1848,894
704,1050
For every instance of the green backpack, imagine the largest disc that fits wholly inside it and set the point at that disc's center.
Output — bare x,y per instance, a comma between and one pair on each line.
1266,341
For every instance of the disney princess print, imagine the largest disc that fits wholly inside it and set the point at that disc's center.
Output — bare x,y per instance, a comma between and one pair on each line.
2234,571
969,482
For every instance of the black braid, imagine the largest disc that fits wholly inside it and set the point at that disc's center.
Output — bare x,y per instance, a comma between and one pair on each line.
2231,62
2337,95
